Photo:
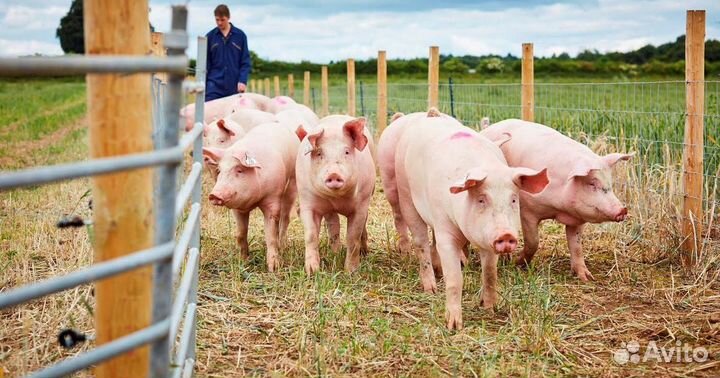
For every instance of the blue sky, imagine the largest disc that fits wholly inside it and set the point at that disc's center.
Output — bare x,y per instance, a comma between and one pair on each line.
325,30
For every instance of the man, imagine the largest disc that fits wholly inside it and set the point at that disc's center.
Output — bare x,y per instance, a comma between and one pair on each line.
228,58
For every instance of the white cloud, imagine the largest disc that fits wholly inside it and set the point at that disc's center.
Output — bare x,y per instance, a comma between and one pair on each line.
19,48
322,31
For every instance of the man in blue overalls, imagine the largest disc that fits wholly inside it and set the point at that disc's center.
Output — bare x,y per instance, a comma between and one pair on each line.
228,58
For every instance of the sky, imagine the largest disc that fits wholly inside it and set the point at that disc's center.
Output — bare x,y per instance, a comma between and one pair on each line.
321,31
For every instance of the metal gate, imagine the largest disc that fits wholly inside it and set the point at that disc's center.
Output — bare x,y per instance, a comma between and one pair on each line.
174,295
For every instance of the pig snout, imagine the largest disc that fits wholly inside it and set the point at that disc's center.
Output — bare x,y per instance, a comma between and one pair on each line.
621,215
334,181
216,199
505,243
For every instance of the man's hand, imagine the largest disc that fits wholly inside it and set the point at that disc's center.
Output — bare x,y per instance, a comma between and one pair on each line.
241,87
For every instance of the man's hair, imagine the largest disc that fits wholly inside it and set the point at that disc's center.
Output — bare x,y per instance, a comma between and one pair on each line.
222,10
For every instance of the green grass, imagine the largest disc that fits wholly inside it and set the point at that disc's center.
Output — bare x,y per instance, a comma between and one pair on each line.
378,321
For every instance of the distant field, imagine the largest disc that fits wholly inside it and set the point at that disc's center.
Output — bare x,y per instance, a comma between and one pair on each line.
377,321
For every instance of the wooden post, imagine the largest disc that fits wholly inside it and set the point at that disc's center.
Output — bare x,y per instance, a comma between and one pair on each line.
692,226
119,118
291,86
351,87
325,110
381,92
433,76
267,87
157,46
277,85
528,83
306,88
252,85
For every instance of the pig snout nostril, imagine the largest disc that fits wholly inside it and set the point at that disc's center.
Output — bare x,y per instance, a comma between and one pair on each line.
215,200
334,181
505,243
621,215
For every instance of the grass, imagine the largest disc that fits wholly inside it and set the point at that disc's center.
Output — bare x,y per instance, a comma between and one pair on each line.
378,321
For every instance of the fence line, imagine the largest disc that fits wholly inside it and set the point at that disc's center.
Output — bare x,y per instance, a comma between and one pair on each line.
167,255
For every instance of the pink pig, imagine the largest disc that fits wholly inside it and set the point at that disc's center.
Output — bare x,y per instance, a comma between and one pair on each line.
261,101
280,103
580,189
226,131
457,183
216,109
258,171
335,175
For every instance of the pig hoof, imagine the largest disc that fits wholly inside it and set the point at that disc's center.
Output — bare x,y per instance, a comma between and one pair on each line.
488,304
312,267
430,289
454,320
583,273
405,247
273,265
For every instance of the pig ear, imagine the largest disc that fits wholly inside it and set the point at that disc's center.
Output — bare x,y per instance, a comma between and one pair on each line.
530,180
355,129
505,138
213,155
396,116
247,160
301,132
583,169
612,159
312,138
474,177
221,125
485,123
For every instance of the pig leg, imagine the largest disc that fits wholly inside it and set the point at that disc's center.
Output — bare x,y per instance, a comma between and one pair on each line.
436,264
332,222
423,247
401,227
364,241
272,225
449,250
355,229
489,261
311,223
286,209
577,261
531,240
242,220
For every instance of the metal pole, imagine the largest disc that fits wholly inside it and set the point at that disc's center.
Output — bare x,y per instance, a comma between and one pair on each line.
165,217
313,100
197,192
452,98
362,99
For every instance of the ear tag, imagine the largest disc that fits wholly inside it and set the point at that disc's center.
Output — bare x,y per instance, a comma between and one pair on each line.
250,161
308,149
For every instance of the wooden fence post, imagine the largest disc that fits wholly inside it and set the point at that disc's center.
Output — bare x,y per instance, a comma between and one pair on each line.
528,83
119,118
276,79
267,87
325,109
252,85
692,226
351,87
157,46
381,92
433,76
291,86
306,88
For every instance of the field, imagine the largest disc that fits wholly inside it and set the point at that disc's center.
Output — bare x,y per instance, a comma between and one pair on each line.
378,321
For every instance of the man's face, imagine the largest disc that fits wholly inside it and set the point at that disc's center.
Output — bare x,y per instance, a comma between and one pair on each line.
222,22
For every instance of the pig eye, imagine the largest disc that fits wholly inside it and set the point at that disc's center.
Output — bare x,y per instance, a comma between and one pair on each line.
238,170
482,200
347,151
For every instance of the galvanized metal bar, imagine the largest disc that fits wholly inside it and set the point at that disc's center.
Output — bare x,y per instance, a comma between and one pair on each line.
79,65
191,224
190,137
186,340
186,190
96,272
124,344
200,75
182,293
167,178
189,366
62,172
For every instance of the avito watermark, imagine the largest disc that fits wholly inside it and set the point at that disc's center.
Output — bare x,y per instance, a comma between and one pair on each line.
632,353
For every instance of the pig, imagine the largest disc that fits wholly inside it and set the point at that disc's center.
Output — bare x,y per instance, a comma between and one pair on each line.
298,115
335,175
580,188
280,103
216,109
261,101
456,182
258,171
226,131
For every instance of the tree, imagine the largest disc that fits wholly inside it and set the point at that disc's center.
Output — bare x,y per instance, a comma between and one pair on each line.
454,65
70,30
